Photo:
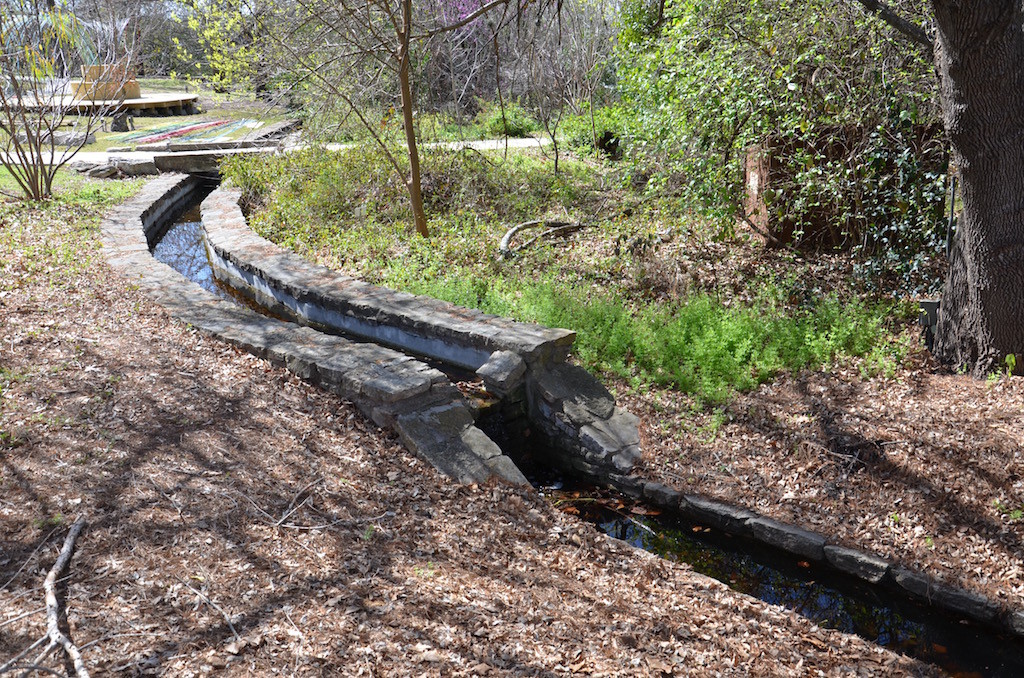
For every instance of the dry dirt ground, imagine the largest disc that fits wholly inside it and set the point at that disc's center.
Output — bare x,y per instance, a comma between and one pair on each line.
242,522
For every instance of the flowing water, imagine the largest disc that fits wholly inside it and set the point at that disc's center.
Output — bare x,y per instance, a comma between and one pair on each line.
824,596
182,248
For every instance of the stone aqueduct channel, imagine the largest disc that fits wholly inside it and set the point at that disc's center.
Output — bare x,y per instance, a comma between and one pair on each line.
524,366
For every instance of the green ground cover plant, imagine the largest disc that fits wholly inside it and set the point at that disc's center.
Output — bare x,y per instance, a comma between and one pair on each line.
27,249
345,210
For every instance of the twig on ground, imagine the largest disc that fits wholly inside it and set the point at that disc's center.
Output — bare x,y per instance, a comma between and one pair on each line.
30,557
21,616
292,507
212,604
110,636
505,249
57,632
12,663
56,615
302,636
344,522
270,519
166,496
26,669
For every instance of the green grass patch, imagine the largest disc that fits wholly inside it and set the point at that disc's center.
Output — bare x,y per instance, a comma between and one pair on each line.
55,238
696,345
324,197
348,210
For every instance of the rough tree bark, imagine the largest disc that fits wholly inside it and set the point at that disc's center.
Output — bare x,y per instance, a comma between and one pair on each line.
979,56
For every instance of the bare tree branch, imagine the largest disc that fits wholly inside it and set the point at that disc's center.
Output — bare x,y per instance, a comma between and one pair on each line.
55,611
505,248
908,28
469,18
57,635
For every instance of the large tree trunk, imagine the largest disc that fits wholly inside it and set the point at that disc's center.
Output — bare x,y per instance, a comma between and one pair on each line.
979,54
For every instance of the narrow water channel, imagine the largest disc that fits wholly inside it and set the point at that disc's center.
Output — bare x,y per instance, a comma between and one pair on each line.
824,596
827,598
182,248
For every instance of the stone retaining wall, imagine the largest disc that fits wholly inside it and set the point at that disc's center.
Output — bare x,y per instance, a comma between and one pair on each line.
456,335
521,363
817,548
417,401
564,402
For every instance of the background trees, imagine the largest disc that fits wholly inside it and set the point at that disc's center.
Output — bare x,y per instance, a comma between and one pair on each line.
42,49
359,59
836,97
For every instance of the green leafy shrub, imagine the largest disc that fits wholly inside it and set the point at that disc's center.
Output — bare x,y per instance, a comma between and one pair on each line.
884,198
600,132
512,120
705,81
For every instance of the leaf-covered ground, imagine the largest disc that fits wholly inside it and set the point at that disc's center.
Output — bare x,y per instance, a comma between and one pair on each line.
873,445
243,522
924,468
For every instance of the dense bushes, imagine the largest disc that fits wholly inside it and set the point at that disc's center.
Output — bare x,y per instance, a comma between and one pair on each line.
596,131
510,120
704,81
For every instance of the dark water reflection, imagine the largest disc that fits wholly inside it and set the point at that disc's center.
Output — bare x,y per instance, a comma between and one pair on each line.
182,248
827,598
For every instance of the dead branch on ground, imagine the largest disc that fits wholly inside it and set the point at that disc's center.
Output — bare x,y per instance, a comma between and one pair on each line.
213,605
505,249
58,632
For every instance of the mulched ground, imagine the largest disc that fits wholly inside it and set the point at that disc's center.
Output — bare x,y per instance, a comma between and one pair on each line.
242,522
923,467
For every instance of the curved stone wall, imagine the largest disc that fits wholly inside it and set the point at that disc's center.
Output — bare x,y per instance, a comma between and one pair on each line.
522,363
598,439
570,407
417,401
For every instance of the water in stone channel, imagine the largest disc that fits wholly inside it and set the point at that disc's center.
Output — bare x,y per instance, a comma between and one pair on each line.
828,599
183,248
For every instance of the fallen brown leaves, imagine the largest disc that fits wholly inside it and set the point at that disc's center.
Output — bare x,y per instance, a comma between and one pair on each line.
925,468
243,522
